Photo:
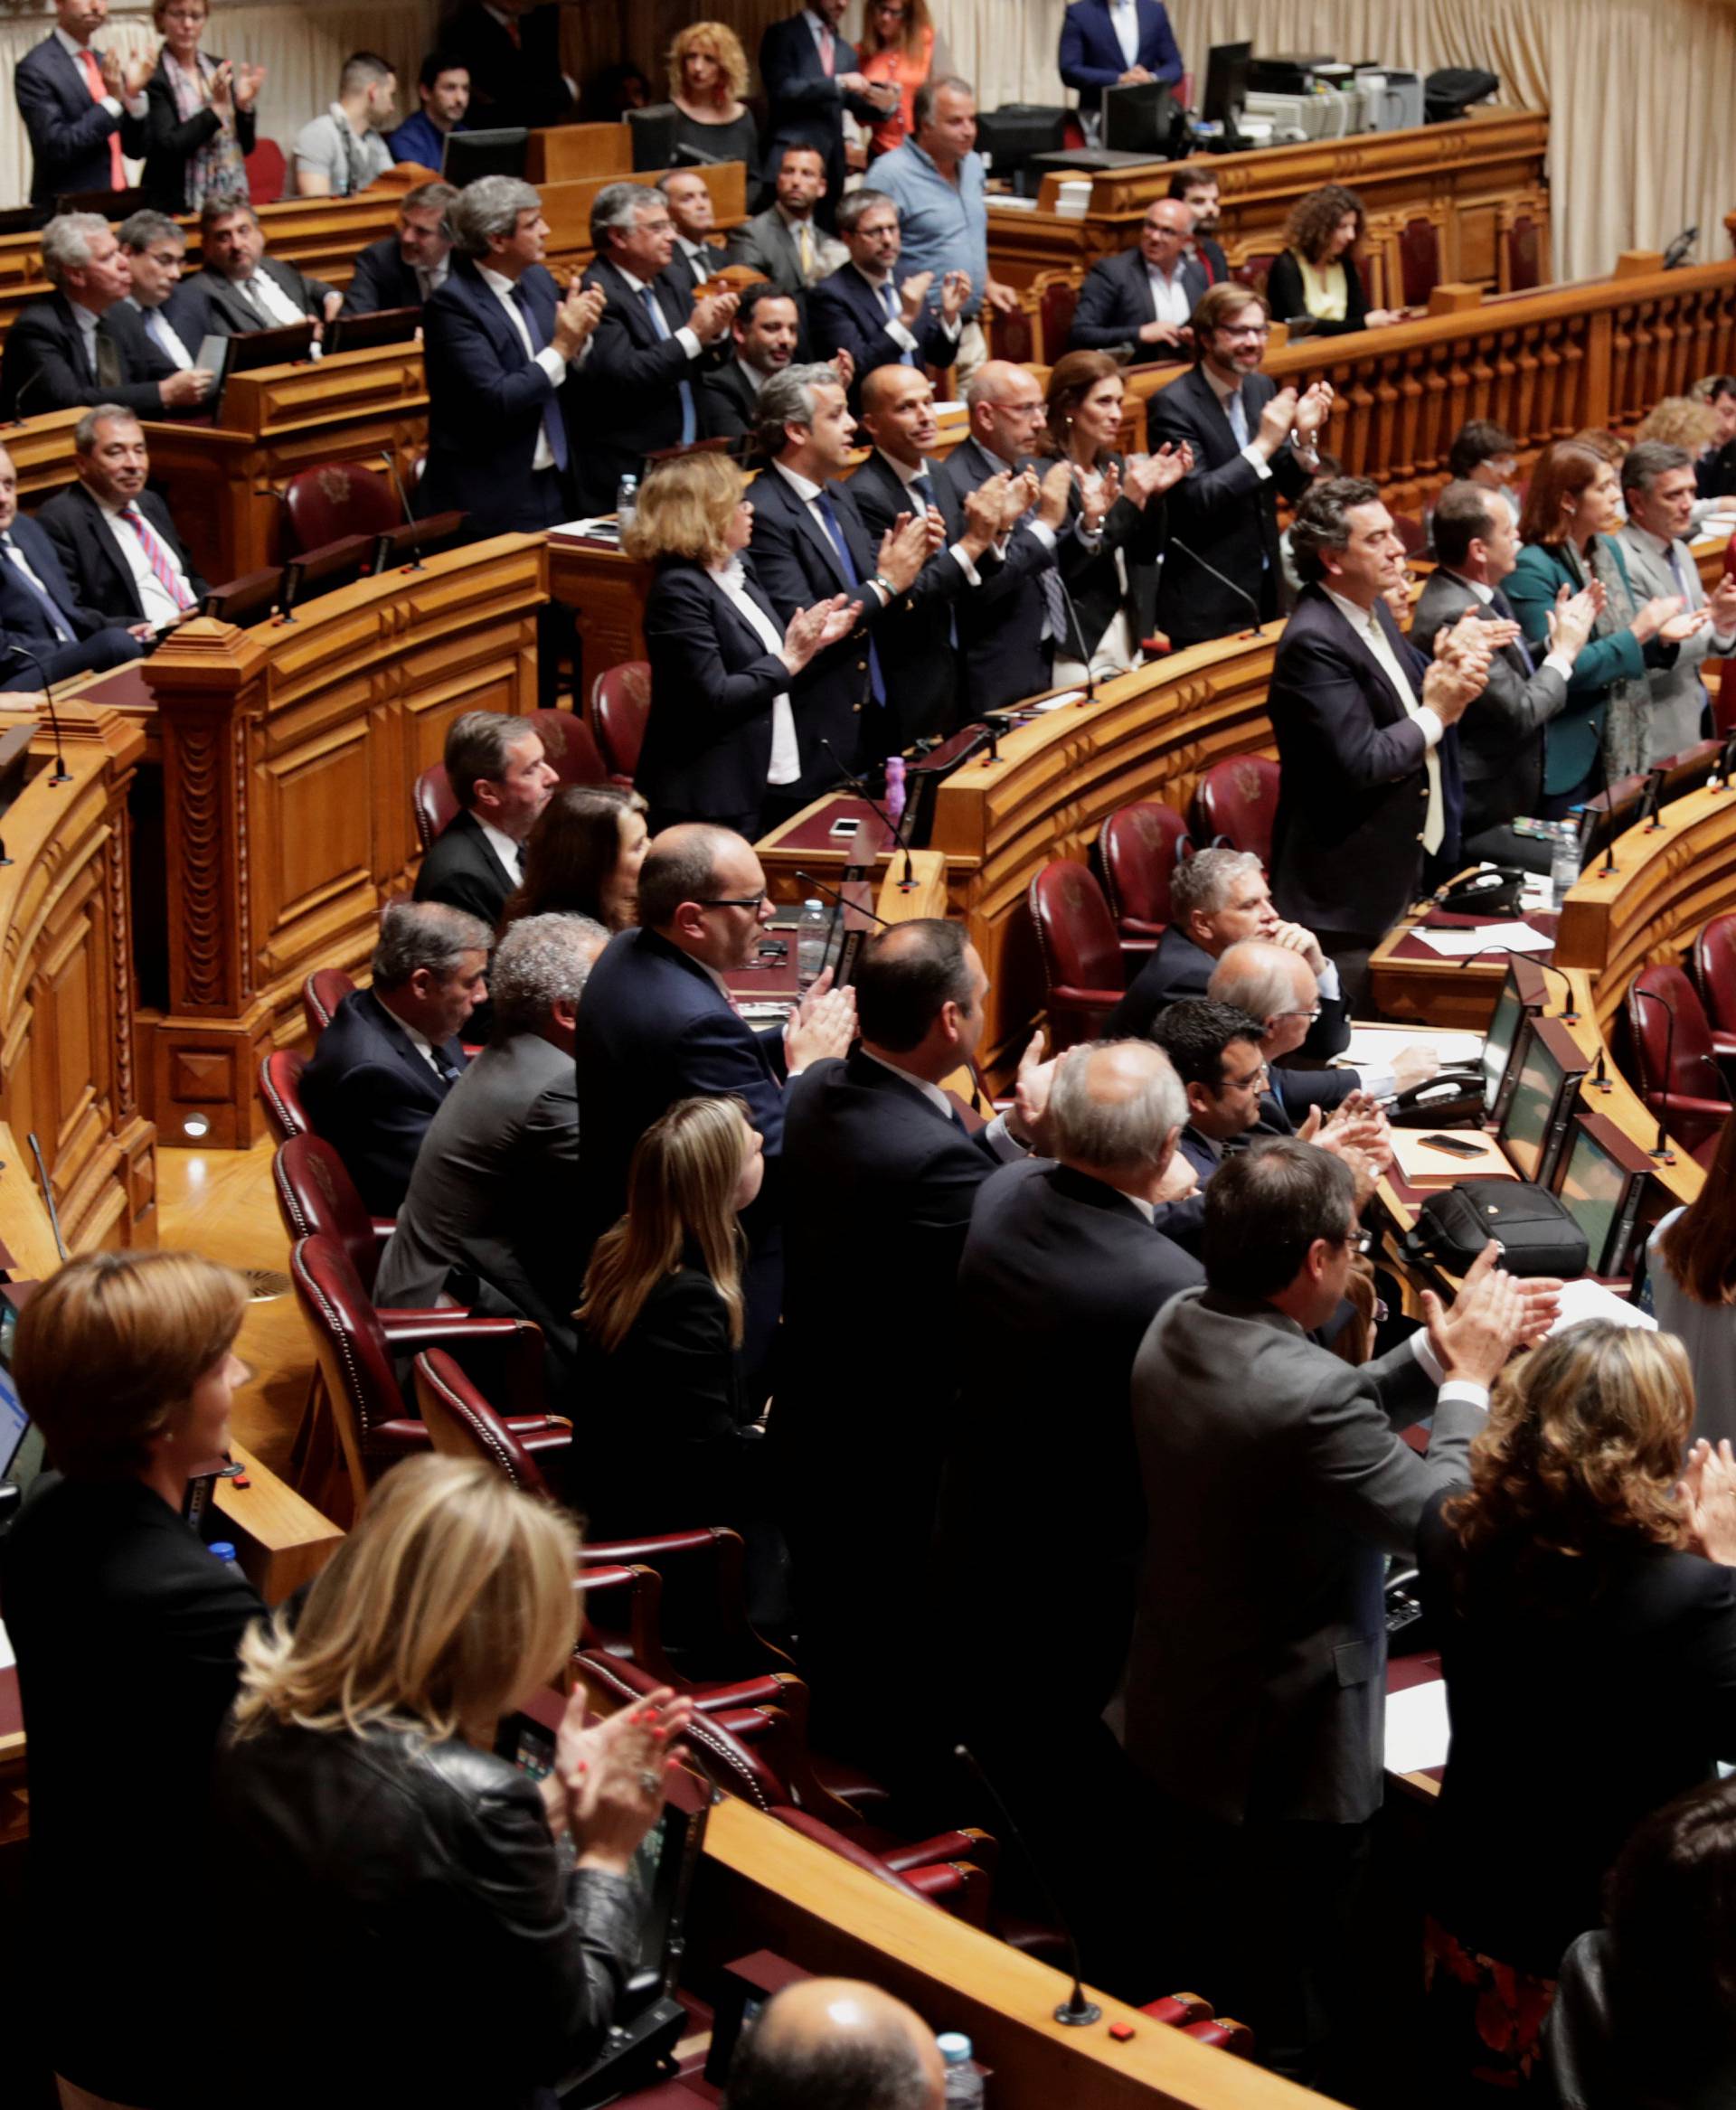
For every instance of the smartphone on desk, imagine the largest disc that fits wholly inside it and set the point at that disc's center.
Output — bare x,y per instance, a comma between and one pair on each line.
1453,1146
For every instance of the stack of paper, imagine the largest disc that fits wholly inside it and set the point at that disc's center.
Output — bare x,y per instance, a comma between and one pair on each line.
1492,938
1374,1047
1586,1299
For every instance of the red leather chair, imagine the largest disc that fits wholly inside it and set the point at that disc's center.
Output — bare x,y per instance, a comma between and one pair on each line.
569,746
1056,301
1418,262
1237,802
334,499
461,1423
316,1196
431,802
1714,969
321,993
1680,1079
1254,270
1082,966
620,705
280,1089
267,171
1137,851
1525,256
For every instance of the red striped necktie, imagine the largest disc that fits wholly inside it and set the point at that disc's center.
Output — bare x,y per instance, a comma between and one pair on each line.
157,557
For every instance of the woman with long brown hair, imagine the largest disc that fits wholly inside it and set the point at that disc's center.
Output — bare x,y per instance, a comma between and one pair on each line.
896,44
582,858
1587,1625
1315,282
1691,1263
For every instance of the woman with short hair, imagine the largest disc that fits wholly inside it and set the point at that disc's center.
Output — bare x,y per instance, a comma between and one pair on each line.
708,79
199,119
1316,285
378,1850
582,858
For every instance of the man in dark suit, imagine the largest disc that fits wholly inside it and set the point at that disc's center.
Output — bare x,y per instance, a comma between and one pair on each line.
84,344
1197,188
1214,1051
511,51
1715,473
786,241
113,533
642,371
811,79
496,768
402,269
1252,442
242,289
501,341
864,309
1062,1272
763,333
45,632
1276,1482
488,1213
172,314
382,1067
83,110
1368,765
1111,43
1145,297
880,1176
657,1026
809,543
694,259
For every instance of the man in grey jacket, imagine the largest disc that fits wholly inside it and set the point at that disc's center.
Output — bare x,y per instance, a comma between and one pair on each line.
1276,1482
1658,490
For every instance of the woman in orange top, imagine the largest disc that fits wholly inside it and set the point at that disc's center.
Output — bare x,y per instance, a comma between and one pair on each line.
897,45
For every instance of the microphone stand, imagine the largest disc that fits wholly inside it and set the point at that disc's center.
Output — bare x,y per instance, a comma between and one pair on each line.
994,723
1721,773
62,774
1241,592
48,1196
1661,1149
1653,800
907,885
1569,1017
1608,868
415,563
843,900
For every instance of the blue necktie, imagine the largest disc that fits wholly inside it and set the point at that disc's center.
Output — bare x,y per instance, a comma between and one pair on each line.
553,424
835,529
1503,608
689,410
58,622
1236,411
920,488
889,301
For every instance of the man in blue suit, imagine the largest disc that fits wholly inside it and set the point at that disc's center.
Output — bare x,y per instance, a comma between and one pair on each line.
83,110
811,80
44,633
1112,43
863,309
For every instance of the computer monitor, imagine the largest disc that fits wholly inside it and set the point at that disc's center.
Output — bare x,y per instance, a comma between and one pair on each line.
379,325
1226,85
249,350
652,131
1603,1178
1012,137
1521,997
502,150
1140,117
1533,1131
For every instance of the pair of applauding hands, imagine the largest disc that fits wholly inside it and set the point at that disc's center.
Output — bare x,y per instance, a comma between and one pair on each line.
579,311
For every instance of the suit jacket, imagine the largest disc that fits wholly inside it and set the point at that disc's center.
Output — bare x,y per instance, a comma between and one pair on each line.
708,740
28,647
1575,733
487,401
1224,510
371,1092
1714,474
806,106
100,1565
461,869
1001,627
228,315
381,279
68,130
629,386
1208,254
680,274
731,400
510,83
1501,734
1275,1481
184,312
1679,697
920,653
1353,782
1116,303
171,141
489,1208
43,366
1286,294
844,314
1175,968
79,529
1135,535
1090,52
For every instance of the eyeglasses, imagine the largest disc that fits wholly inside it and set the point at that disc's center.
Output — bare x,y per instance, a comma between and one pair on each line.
1264,330
1309,1015
754,901
1254,1078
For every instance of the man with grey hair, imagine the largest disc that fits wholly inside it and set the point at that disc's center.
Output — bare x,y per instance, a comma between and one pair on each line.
1278,988
113,533
1063,1271
641,382
878,318
488,1215
84,344
1659,489
392,1052
157,256
402,269
497,770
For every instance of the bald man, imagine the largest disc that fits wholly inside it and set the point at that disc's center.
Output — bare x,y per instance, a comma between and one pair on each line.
837,2040
1145,295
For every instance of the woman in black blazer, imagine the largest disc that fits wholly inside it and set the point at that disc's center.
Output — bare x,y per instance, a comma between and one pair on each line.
199,120
1587,1625
1113,592
723,697
1314,281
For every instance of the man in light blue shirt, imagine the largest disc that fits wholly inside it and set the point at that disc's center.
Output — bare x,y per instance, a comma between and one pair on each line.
935,180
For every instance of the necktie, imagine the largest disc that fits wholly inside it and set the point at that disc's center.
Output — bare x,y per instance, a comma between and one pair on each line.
1236,411
1055,626
1680,575
805,250
58,622
445,1069
510,24
828,52
250,292
108,359
835,530
889,302
553,424
702,268
689,408
157,557
92,71
1434,826
1503,608
922,491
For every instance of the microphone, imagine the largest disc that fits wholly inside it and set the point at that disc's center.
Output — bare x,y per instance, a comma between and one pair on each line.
1241,592
1721,773
28,383
1072,607
833,894
994,723
1661,1149
1570,1017
62,774
1075,2011
1608,868
48,1196
1600,1080
1680,249
415,563
1652,799
907,883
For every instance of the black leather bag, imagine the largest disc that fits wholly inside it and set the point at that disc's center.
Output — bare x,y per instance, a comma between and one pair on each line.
1536,1234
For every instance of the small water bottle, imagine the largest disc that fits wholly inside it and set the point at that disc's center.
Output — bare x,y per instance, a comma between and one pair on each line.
627,502
1563,863
963,2083
894,801
223,1549
812,932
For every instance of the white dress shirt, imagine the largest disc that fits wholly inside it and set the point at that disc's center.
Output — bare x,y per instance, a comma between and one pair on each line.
548,358
423,1046
1169,296
1250,452
897,328
807,491
907,476
1123,16
265,292
998,1136
161,332
17,558
506,851
785,764
1368,628
155,598
683,337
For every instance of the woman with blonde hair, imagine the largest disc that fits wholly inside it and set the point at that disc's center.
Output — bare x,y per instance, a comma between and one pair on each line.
721,742
123,1622
1315,284
896,44
370,1839
582,858
707,77
1586,1618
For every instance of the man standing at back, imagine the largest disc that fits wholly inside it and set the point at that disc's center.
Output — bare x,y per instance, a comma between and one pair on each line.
83,110
811,80
1658,489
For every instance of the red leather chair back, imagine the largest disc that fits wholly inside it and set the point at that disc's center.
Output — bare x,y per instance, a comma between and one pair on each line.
1056,304
321,993
353,1360
569,746
1419,261
1412,533
1082,956
1680,1079
266,172
1139,848
280,1089
621,704
432,803
1525,256
1012,335
461,1423
1238,802
317,1197
1714,968
1254,270
334,499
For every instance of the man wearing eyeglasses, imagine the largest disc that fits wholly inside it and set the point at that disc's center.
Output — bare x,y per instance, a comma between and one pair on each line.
1252,442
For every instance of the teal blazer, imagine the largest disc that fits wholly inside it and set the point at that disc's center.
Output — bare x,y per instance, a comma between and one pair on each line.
1570,739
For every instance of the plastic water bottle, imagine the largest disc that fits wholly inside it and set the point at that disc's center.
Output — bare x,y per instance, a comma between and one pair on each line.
627,502
894,801
812,932
223,1549
963,2083
1563,862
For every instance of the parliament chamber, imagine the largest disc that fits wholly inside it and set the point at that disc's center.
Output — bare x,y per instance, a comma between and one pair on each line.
209,851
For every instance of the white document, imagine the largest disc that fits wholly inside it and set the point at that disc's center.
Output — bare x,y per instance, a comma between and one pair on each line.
1507,937
1585,1299
1374,1047
1416,1731
6,1657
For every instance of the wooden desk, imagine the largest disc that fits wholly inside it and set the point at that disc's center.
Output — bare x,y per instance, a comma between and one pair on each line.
280,1541
562,152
